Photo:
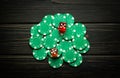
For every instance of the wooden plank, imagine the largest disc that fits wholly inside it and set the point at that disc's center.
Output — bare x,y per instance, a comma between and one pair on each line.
103,37
92,66
34,10
87,2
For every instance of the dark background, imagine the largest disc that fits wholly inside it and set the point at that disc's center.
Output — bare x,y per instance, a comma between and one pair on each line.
101,17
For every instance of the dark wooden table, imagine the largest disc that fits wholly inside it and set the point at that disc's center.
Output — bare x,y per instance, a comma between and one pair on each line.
101,17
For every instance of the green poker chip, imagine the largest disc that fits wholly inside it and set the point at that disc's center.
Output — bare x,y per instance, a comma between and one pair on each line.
36,42
68,34
58,18
48,19
40,54
85,50
65,46
34,31
69,56
69,19
79,29
55,63
80,43
44,28
49,42
78,61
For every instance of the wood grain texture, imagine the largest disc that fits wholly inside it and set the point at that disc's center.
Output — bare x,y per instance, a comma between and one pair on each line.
102,19
26,11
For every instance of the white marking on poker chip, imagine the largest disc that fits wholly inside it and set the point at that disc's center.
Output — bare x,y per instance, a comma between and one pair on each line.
85,44
50,24
53,17
83,25
38,30
75,65
55,39
42,39
84,51
67,14
46,16
66,38
35,47
72,18
33,53
61,50
31,37
37,58
69,41
37,35
30,43
41,45
63,57
74,46
49,62
31,33
54,24
60,65
70,48
80,48
32,27
69,26
48,47
78,35
68,61
61,33
47,51
54,66
80,61
43,58
63,40
44,21
79,54
75,52
74,30
84,31
64,16
76,24
58,13
74,58
50,31
50,35
84,38
44,33
38,24
54,45
88,46
72,36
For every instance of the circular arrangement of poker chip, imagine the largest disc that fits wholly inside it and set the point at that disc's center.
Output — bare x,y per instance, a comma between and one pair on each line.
55,63
35,42
78,61
59,39
40,54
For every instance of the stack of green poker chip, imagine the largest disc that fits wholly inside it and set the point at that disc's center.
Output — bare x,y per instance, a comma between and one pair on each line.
45,36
